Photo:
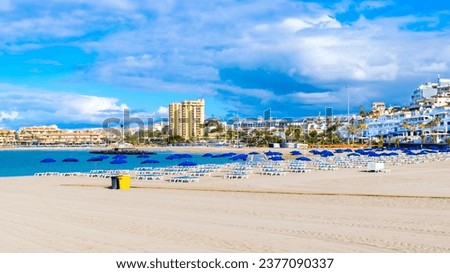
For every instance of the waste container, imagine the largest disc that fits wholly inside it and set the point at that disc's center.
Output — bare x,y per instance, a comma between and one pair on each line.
114,182
124,182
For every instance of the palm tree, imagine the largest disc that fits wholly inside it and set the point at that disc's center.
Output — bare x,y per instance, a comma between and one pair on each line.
362,125
434,124
422,125
352,129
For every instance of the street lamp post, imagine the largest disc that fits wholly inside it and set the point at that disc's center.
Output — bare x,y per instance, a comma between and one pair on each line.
348,115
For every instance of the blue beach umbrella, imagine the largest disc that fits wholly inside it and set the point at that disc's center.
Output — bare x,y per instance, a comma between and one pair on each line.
276,158
270,153
118,161
170,157
326,153
187,164
48,160
303,158
150,161
253,153
95,159
70,159
207,155
353,154
296,153
239,156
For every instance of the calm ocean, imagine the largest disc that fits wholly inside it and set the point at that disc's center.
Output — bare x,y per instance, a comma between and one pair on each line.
27,162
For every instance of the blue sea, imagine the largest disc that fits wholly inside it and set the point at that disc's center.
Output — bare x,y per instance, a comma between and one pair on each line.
28,162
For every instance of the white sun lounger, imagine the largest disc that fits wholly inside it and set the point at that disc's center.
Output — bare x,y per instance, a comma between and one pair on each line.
183,179
150,177
236,176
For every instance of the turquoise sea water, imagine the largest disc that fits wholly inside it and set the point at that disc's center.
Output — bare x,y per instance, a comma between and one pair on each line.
27,162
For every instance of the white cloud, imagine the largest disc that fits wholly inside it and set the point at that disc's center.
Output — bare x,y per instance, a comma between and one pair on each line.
322,21
431,67
162,111
12,115
315,98
30,106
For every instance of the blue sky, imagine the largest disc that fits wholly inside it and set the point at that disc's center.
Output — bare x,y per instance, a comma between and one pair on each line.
76,62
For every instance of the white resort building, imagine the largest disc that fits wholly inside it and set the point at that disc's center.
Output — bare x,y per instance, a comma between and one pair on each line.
426,120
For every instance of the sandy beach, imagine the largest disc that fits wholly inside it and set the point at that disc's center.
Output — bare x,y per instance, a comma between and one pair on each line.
348,210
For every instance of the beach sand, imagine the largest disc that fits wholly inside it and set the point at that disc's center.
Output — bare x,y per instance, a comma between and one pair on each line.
348,210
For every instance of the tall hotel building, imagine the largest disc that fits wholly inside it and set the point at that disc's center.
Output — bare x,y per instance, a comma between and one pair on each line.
186,118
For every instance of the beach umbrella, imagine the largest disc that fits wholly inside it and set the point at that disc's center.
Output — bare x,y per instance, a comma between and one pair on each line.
70,159
270,153
296,153
149,161
253,153
240,156
142,156
118,161
48,160
326,153
353,154
172,156
315,152
227,154
348,150
95,158
187,164
303,158
207,155
185,156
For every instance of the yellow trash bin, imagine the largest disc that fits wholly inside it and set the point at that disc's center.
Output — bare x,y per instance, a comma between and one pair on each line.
124,182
